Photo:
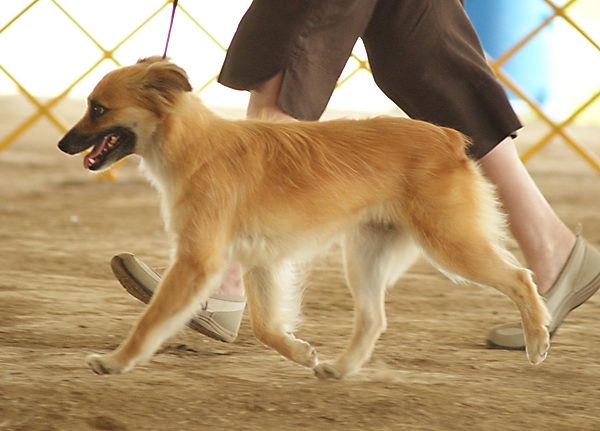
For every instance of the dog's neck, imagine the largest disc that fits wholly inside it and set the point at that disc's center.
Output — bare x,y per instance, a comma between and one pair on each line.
177,144
179,137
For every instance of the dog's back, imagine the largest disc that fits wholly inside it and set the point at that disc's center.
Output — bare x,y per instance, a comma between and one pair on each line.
299,176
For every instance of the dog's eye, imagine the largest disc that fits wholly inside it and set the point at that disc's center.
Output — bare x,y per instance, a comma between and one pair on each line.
97,110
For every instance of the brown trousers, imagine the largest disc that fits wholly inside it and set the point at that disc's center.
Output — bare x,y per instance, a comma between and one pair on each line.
424,54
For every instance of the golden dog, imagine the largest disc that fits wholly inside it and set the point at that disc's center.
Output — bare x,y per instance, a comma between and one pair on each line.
265,194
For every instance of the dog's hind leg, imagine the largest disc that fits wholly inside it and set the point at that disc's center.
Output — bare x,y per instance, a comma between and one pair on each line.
374,259
274,303
461,232
185,285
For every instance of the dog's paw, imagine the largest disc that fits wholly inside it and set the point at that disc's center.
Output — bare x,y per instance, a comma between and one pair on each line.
328,371
304,354
538,344
106,364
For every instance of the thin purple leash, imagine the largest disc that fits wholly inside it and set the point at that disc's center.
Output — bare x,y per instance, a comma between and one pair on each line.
170,28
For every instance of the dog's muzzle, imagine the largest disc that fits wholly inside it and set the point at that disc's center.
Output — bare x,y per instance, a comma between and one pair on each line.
107,147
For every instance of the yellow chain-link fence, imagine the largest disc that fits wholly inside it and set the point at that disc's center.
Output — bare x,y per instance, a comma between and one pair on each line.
196,14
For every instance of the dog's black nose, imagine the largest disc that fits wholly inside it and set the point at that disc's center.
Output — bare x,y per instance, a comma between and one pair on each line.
73,143
62,146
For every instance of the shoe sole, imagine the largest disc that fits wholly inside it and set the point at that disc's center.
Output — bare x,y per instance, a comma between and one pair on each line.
200,323
579,299
493,345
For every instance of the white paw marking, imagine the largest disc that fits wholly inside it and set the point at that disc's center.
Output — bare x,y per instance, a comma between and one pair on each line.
105,364
328,370
538,345
304,354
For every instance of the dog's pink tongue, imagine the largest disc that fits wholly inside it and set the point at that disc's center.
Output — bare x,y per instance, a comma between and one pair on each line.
87,160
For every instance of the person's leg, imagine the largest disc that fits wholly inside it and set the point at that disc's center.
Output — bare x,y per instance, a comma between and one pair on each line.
566,268
543,238
426,57
263,101
298,48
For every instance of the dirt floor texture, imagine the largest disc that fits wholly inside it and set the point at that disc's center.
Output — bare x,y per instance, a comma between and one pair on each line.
59,227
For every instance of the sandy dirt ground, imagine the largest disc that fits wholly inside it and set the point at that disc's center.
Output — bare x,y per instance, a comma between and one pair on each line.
59,227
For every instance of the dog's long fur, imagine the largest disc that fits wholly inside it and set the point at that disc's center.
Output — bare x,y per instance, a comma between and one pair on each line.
264,194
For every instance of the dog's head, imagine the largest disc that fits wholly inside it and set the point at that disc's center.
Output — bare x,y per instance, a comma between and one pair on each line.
125,110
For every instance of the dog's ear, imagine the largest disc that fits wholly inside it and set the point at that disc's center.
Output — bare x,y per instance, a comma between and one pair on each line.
164,80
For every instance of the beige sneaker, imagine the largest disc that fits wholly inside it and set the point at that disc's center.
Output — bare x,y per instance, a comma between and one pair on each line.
577,282
219,317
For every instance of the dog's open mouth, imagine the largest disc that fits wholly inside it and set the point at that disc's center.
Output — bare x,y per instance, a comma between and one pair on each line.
112,146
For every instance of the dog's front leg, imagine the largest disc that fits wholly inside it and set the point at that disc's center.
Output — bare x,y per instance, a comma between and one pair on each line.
274,307
184,286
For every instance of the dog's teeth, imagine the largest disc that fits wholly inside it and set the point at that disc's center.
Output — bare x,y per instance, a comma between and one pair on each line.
113,139
91,161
